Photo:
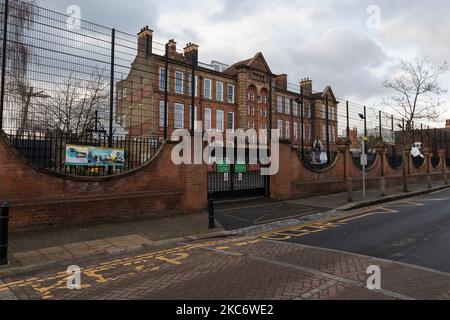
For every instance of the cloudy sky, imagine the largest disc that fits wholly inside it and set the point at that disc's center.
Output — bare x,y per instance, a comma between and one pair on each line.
334,42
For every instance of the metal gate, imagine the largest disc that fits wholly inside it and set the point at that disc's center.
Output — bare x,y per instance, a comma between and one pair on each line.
238,180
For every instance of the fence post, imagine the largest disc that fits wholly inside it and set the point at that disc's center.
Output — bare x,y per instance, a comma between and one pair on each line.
365,127
421,135
212,223
405,158
444,165
111,91
4,230
446,144
348,119
302,104
270,108
5,42
429,137
166,92
193,89
327,121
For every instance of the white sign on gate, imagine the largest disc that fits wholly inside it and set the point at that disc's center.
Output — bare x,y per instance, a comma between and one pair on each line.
226,177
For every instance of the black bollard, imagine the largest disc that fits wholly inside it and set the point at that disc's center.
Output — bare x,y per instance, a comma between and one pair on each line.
4,229
212,223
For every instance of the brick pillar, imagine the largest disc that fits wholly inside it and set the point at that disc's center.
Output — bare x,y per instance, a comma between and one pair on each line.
195,186
343,146
443,165
381,152
281,183
427,153
242,99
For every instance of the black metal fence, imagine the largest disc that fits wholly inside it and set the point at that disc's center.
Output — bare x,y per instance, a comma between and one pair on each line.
60,80
71,82
48,151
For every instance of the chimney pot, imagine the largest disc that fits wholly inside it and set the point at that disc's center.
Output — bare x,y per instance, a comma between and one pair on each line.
145,41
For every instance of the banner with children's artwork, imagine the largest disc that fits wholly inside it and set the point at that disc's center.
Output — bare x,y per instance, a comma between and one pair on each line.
94,156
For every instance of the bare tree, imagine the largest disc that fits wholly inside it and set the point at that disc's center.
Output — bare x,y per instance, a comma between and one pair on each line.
76,106
416,91
21,16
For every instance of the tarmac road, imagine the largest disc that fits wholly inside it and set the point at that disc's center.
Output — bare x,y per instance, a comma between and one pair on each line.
414,231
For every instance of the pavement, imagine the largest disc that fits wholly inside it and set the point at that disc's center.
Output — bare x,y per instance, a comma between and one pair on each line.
31,249
153,247
234,268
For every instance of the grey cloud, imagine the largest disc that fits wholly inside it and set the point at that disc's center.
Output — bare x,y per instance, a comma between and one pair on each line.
337,49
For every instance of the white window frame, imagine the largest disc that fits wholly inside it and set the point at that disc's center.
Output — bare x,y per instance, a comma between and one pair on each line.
179,85
232,87
219,84
295,108
208,119
287,105
162,79
209,96
280,128
233,126
288,129
307,107
162,107
190,85
295,130
176,115
220,115
279,104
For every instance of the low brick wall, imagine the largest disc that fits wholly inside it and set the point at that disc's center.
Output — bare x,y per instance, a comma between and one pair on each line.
41,199
295,180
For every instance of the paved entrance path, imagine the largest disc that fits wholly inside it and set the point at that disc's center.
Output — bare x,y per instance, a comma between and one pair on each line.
234,268
238,215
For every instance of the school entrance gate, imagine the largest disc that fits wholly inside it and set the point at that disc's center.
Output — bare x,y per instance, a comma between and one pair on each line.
238,180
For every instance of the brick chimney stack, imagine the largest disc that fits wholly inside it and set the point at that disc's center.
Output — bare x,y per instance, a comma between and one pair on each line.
306,85
191,53
145,41
172,48
281,81
447,125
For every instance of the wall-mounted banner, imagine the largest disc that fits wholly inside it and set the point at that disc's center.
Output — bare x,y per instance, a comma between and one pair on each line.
94,156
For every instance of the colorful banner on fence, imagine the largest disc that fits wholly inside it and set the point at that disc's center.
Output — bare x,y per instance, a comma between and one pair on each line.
94,156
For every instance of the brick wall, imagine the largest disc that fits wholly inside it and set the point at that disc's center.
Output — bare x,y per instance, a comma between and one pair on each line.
41,200
295,180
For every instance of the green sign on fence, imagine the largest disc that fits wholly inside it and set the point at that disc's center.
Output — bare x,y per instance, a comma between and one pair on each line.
223,168
240,167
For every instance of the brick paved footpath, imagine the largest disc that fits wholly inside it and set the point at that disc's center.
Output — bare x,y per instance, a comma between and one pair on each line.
232,268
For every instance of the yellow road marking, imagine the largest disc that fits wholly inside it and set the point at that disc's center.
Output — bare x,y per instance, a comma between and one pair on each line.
177,255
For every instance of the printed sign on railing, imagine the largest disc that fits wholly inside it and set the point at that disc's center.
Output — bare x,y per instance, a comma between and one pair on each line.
94,156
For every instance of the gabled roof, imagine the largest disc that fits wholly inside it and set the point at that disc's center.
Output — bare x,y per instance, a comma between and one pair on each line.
321,95
258,62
